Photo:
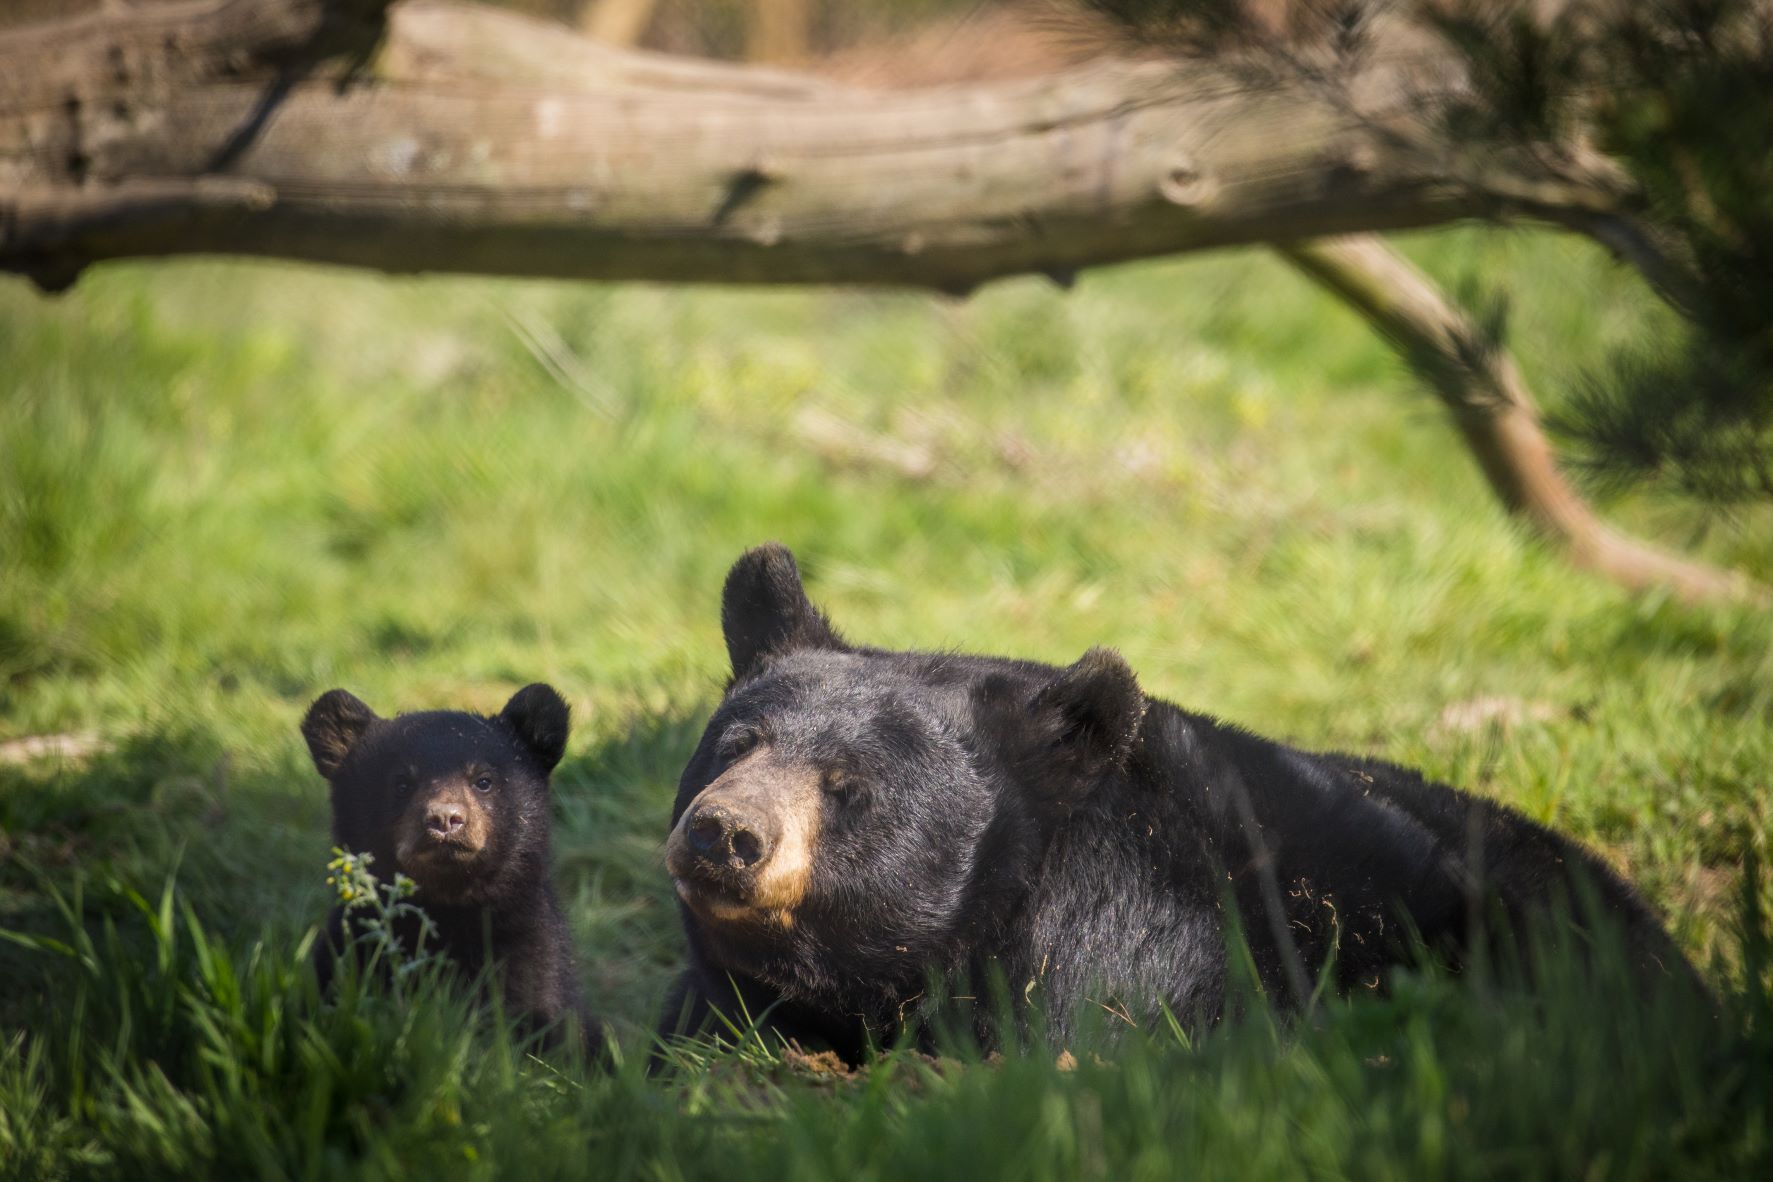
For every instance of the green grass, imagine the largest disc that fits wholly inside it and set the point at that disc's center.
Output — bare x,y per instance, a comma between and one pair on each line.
225,489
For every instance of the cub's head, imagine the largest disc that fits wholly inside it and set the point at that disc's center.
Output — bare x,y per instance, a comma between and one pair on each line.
458,802
853,819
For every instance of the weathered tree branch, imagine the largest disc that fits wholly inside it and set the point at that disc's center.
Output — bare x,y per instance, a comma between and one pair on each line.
1490,404
145,50
473,148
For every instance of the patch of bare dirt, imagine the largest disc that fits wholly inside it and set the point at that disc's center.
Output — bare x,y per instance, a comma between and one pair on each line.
824,1066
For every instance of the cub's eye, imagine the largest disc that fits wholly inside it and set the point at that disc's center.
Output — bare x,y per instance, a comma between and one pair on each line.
835,783
483,783
403,784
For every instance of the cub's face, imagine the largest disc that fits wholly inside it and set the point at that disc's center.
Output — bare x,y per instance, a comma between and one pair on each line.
856,820
456,801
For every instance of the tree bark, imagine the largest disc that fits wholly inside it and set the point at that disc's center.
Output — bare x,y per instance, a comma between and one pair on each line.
485,142
1491,406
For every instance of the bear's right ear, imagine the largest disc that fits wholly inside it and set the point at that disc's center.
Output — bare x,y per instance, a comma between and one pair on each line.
1097,706
541,718
335,722
764,610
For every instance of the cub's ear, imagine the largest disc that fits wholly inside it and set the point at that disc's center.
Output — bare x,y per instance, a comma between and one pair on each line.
764,610
334,723
1097,707
541,719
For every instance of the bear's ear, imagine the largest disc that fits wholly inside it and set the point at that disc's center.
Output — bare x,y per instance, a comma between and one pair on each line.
1097,706
334,723
764,610
541,719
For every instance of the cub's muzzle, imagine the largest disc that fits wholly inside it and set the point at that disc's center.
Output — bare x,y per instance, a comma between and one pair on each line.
445,828
744,847
445,818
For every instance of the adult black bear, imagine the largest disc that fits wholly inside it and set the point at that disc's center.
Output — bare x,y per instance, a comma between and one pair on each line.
856,822
460,803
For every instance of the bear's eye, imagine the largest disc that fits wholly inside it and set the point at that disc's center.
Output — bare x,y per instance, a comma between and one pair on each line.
483,783
738,743
403,784
834,782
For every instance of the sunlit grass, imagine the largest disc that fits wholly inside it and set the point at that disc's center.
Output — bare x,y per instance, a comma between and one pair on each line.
225,489
171,1056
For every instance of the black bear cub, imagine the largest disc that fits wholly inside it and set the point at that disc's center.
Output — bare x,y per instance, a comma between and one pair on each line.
857,821
459,803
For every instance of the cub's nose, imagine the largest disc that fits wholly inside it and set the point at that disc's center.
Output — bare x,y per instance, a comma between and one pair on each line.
443,819
719,834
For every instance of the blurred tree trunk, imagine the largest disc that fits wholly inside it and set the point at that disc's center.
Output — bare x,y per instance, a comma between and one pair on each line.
449,137
617,22
780,33
477,140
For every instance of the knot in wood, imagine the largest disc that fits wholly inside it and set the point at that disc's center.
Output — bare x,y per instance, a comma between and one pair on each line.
1185,185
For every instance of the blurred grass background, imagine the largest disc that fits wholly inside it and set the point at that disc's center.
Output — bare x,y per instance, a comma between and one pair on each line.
226,488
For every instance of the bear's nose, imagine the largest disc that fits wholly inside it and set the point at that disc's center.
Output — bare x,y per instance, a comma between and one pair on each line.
444,819
719,835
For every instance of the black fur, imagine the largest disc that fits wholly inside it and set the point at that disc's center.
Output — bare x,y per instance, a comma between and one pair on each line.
497,902
1059,828
763,611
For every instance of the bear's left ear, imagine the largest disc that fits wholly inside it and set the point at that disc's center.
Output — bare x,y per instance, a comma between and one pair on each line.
1097,706
764,610
541,718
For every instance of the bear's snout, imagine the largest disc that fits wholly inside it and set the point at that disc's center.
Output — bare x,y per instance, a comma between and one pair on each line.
444,817
718,833
449,817
441,831
745,845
